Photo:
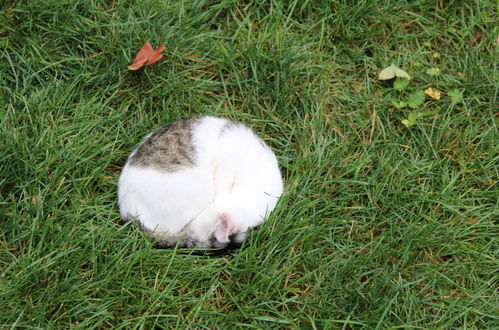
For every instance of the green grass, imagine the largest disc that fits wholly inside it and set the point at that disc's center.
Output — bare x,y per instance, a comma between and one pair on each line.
380,225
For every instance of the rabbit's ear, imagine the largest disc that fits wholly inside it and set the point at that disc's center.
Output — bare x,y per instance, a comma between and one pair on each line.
224,228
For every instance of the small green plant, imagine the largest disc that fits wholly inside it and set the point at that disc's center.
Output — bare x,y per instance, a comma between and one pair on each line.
414,99
401,83
456,95
412,118
433,72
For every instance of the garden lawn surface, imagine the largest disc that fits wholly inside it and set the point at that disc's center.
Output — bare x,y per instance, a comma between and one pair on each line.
381,225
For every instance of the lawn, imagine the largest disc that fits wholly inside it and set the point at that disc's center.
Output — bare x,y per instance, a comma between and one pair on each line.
389,217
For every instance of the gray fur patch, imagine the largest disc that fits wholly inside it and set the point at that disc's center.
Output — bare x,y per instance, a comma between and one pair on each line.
183,241
169,148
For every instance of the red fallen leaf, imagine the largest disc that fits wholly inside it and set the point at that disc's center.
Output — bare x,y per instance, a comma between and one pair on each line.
141,57
155,55
146,56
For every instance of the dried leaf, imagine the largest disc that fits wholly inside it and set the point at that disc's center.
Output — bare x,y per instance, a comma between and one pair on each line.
146,56
391,72
433,93
156,55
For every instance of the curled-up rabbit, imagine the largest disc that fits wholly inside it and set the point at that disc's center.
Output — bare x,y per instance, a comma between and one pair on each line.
201,182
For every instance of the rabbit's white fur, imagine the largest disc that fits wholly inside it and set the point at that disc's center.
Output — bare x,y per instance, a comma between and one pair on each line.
234,184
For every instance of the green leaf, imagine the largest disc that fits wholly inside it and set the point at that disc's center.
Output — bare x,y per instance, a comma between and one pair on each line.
416,99
406,123
400,83
433,72
391,72
399,104
456,95
417,65
412,118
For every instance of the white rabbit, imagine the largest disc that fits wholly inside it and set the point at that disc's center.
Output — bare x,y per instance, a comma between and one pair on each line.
200,182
